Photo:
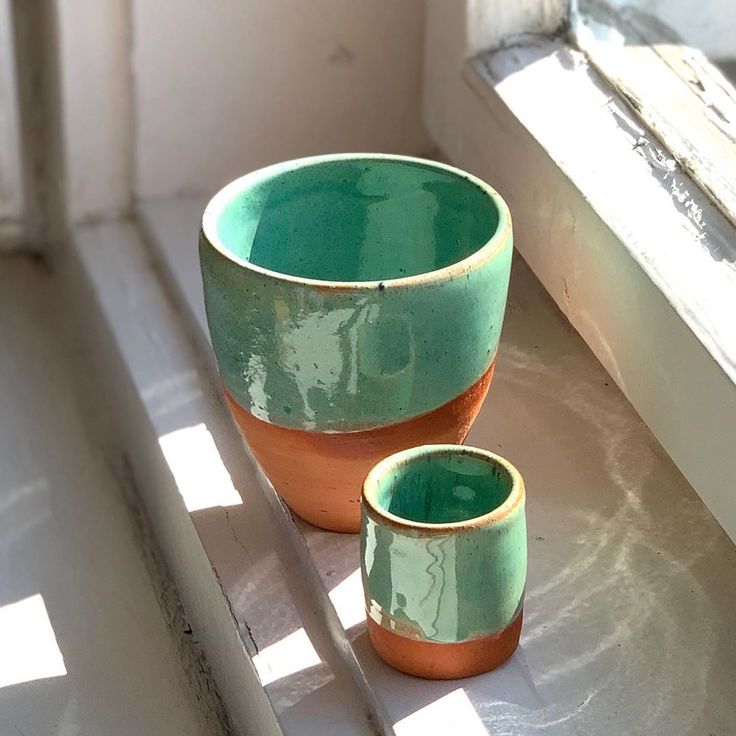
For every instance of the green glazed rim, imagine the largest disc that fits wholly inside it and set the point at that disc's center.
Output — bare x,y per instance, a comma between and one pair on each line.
241,185
511,503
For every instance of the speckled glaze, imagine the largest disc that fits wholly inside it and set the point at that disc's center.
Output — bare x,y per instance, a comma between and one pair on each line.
397,310
350,293
443,555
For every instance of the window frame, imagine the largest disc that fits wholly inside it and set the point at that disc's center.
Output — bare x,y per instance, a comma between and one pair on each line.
678,373
11,183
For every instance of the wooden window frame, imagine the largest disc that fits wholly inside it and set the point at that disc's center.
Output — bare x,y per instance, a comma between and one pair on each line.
656,316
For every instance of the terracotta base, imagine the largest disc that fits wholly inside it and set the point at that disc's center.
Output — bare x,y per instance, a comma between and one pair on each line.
436,661
320,475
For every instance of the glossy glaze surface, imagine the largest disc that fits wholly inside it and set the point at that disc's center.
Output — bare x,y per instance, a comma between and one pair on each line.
335,354
443,490
356,220
448,579
320,474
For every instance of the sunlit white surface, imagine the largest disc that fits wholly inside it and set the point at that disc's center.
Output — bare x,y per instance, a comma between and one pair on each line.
198,468
347,597
295,652
28,643
450,714
84,647
629,619
287,656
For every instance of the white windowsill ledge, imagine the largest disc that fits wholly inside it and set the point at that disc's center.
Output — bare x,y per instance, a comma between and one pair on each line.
629,573
633,253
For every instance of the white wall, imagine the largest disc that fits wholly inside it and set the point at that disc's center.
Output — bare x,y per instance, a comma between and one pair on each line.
223,87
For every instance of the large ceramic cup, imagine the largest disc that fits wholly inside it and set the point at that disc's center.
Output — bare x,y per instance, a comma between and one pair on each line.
355,304
443,556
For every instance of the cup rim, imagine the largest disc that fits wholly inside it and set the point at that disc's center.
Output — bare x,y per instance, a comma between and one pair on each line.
370,503
478,257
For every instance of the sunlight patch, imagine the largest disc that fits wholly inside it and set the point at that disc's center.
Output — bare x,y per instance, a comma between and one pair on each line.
198,468
287,656
28,643
452,713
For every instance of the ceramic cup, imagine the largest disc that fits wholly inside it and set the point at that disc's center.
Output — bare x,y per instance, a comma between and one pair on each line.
443,558
355,304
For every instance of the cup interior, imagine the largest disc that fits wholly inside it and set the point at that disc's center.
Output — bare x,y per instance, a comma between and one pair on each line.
442,486
356,219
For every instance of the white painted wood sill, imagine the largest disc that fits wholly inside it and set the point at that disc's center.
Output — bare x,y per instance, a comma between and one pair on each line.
629,609
634,254
84,645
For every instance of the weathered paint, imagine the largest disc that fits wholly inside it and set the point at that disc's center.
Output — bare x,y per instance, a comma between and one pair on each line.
445,661
643,272
683,99
349,292
443,544
89,631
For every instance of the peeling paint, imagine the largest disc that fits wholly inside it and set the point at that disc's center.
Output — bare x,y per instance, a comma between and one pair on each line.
657,75
193,659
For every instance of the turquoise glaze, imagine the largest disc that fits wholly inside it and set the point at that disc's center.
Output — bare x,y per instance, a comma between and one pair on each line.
443,543
353,291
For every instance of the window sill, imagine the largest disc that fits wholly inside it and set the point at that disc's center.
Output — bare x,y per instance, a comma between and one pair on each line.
615,531
644,272
85,646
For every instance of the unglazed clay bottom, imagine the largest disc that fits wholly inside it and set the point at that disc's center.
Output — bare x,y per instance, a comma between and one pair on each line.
320,474
445,661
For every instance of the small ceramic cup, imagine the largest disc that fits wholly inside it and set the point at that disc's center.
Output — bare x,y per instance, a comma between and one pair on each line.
443,558
355,305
